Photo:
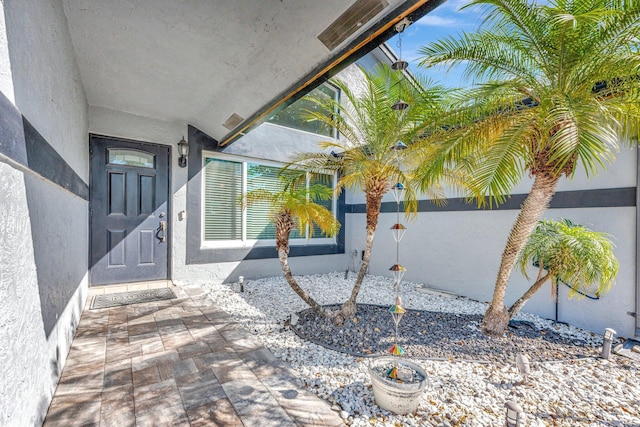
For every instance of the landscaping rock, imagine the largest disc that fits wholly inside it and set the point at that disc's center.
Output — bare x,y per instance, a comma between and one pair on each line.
470,394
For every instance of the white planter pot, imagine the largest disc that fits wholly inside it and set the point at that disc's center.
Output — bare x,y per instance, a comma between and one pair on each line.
399,398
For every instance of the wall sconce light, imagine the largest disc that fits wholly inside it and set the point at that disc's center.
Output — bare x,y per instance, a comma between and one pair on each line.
183,151
513,414
606,343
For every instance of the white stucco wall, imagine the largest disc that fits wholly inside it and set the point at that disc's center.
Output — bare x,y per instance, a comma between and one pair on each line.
460,252
228,272
6,84
46,80
620,174
43,228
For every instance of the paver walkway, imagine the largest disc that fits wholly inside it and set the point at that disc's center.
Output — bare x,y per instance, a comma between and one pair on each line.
177,362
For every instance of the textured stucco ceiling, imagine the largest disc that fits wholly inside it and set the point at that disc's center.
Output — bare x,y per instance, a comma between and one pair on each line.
198,61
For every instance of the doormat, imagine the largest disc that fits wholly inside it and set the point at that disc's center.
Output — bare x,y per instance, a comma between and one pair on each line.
134,297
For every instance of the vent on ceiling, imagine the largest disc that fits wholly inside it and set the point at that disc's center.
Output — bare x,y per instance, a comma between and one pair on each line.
232,121
355,17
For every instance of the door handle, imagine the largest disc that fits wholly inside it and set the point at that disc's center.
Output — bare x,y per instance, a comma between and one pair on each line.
162,229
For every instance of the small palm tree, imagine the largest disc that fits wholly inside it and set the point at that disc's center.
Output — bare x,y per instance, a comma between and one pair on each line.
364,156
294,207
570,253
556,86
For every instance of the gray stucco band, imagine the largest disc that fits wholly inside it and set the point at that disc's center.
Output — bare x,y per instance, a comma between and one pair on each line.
22,143
195,254
601,198
206,256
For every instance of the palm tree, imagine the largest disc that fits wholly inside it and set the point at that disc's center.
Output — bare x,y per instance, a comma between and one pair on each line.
571,253
293,206
364,156
556,86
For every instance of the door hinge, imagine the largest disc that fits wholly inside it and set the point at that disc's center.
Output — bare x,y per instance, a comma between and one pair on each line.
631,313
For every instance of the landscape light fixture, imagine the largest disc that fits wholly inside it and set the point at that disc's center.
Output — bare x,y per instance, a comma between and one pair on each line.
241,282
513,414
524,366
183,151
606,343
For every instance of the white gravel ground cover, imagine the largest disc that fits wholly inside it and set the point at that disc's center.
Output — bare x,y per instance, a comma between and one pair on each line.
588,392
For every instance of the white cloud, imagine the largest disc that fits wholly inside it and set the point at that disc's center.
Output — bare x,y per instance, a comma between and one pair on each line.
454,5
449,15
433,20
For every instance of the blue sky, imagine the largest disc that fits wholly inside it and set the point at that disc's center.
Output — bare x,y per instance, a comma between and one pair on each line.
445,20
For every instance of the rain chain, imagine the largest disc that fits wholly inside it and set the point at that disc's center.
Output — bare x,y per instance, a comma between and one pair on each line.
397,310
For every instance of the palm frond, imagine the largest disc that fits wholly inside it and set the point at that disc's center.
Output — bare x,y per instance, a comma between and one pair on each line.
555,86
572,253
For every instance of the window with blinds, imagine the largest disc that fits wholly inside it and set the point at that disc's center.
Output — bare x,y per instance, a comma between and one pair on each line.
223,189
222,196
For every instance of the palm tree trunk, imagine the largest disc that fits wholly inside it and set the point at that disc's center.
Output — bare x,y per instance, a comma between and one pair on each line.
284,264
284,223
496,318
517,306
374,201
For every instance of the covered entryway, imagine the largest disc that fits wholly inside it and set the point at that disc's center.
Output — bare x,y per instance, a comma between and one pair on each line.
129,208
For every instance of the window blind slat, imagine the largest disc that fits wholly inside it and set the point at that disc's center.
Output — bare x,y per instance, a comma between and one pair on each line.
259,219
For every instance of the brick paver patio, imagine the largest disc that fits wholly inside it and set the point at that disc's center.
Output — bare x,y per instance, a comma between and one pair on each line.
177,362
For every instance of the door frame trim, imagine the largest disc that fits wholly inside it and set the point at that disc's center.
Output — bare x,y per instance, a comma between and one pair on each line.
169,198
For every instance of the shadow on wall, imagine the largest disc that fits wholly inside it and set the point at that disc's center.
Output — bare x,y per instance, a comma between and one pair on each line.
45,400
59,228
57,214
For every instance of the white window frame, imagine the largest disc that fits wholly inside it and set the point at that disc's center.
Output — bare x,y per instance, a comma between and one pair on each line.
244,242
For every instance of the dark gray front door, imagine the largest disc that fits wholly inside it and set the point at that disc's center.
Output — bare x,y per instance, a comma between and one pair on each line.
129,193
